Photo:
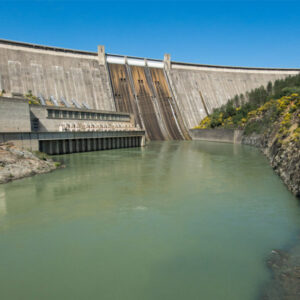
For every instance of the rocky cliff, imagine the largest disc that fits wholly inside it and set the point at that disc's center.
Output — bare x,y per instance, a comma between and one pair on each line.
279,138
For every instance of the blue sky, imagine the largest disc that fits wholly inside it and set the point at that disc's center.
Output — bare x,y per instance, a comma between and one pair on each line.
241,33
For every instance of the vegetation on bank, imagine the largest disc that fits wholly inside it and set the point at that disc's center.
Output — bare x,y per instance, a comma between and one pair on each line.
257,110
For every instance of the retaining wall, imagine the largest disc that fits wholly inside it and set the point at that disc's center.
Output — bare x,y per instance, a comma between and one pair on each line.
14,115
218,135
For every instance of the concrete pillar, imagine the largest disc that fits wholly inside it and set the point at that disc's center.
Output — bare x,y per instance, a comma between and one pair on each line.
143,141
114,143
64,147
84,145
130,142
99,144
67,146
88,145
167,62
51,146
77,143
122,142
43,146
104,144
101,55
126,142
80,145
94,144
70,146
56,149
117,142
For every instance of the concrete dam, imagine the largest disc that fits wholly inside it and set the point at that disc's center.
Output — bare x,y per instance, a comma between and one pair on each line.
166,98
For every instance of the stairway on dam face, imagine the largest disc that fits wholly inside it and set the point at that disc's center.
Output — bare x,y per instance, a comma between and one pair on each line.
144,92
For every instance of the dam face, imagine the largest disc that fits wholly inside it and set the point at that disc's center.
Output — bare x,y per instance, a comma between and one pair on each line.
54,72
166,98
200,89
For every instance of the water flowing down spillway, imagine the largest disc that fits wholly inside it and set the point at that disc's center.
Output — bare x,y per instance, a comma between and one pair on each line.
171,221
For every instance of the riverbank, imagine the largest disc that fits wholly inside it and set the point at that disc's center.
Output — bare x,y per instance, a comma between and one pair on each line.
284,156
17,164
273,127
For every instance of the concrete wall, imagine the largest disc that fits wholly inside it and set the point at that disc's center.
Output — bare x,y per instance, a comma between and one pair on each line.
47,124
14,115
217,135
50,71
52,142
164,102
27,141
198,89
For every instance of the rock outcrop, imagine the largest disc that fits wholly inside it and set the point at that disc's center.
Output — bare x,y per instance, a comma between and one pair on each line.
285,267
16,163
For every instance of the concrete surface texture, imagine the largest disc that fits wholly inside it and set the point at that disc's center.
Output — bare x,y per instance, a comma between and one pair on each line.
50,72
218,135
14,115
199,89
166,98
62,119
55,142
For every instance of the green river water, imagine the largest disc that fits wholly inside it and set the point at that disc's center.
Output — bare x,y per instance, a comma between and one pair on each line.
173,220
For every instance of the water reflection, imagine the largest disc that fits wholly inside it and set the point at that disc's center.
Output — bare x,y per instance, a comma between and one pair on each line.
174,220
168,171
3,210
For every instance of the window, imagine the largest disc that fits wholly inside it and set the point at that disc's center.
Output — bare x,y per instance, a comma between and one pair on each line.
50,113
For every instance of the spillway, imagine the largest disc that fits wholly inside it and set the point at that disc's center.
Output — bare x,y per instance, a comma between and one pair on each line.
144,91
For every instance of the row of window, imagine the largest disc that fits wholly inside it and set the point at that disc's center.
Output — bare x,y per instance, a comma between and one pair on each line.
81,115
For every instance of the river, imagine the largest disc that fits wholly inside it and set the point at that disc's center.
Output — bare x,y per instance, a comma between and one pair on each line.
171,221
